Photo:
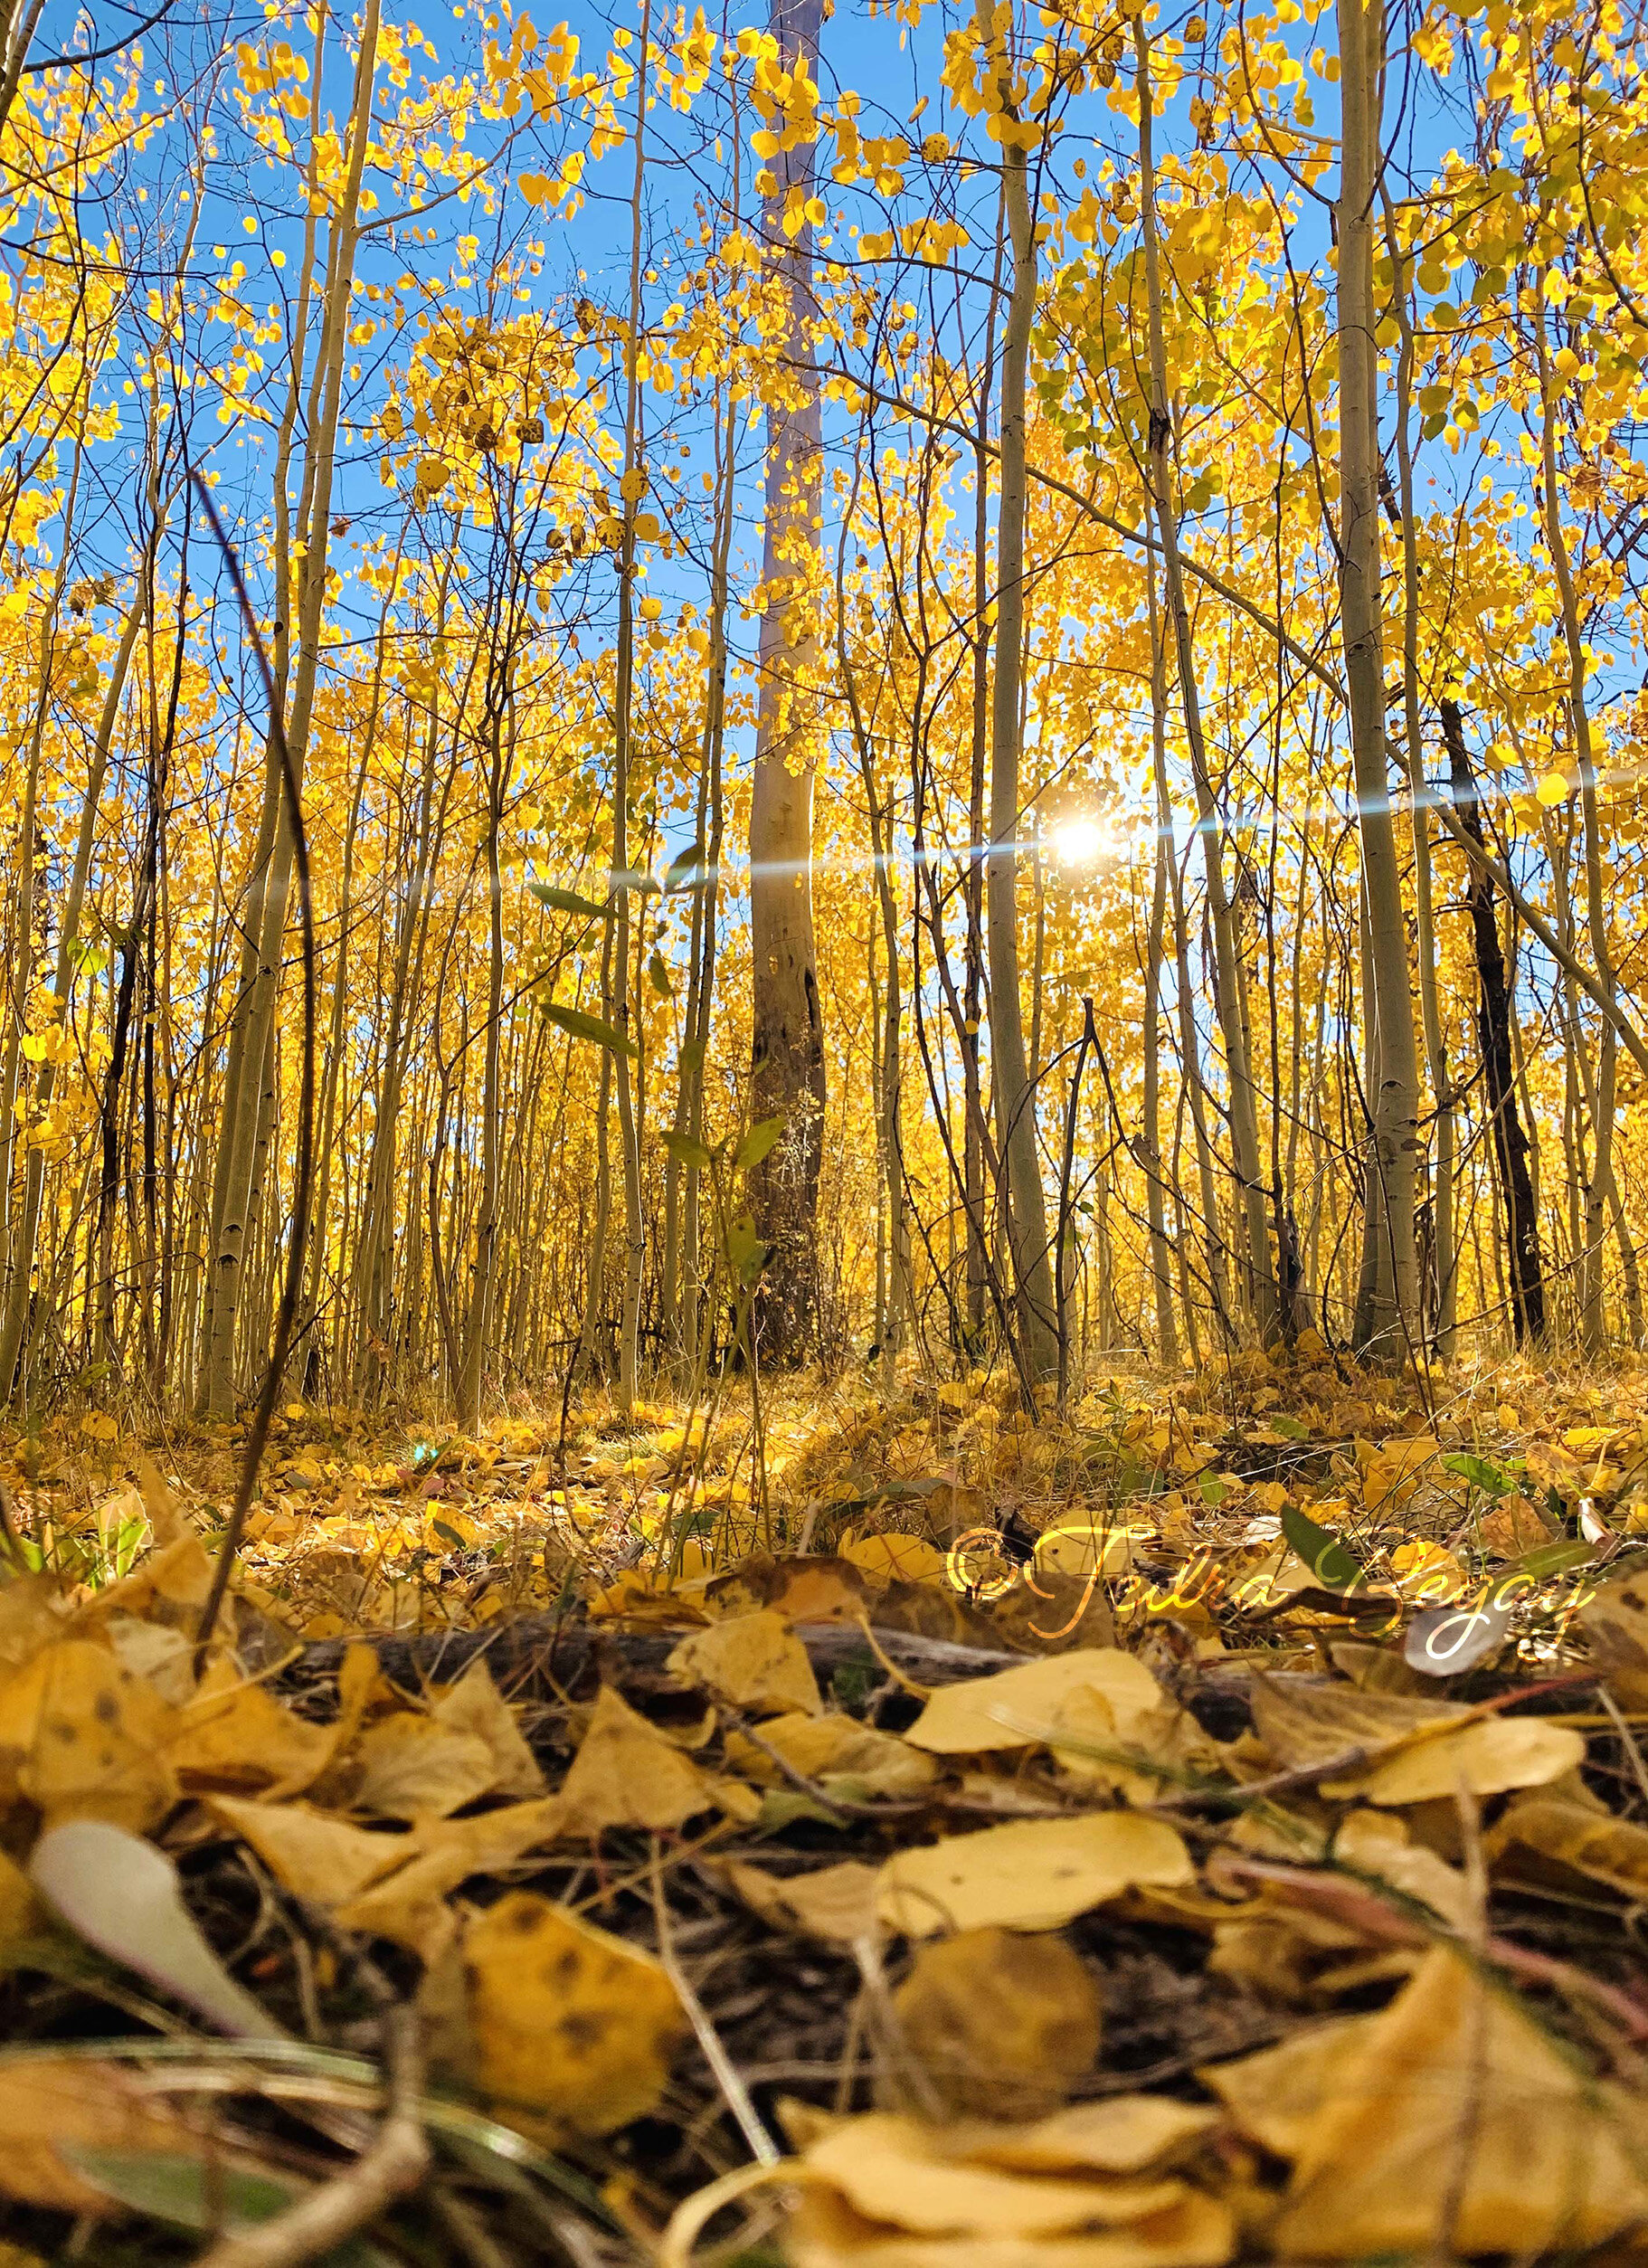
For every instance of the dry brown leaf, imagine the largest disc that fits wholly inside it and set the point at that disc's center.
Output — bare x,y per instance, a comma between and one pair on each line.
46,2105
413,1767
626,1774
1374,1843
1485,1757
1017,1708
473,1705
410,1906
1616,1620
233,1735
836,1903
810,1589
82,1738
1456,2124
1029,1874
308,1852
752,1661
567,2020
1305,1721
842,1755
990,2010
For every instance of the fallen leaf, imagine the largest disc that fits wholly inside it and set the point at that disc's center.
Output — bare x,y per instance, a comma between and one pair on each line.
835,1904
1018,1707
834,1749
233,1735
411,1766
567,2019
1028,1874
895,1559
473,1705
409,1906
22,1916
825,1589
626,1774
1455,2123
752,1661
1616,1620
1374,1843
992,2014
81,1737
1276,2095
47,2106
1305,1721
825,2232
1484,1758
1121,2134
1571,1835
310,1853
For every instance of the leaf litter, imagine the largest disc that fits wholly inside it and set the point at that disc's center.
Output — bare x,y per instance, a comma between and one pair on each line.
1207,1827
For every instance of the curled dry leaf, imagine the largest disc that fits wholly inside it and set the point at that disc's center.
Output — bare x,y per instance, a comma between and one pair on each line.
1561,1834
567,2020
835,1904
752,1661
1017,1708
993,2014
48,2107
842,1755
81,1737
1029,1874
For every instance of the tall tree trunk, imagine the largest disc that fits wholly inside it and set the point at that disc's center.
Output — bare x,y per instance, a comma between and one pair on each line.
1388,1319
787,1043
1494,1015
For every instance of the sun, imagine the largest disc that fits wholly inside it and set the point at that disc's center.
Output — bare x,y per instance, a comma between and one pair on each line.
1083,841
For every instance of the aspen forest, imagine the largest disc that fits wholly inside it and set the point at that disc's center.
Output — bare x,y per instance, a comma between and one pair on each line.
823,1134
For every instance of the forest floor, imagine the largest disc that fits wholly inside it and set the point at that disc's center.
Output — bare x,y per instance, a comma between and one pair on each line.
1207,1825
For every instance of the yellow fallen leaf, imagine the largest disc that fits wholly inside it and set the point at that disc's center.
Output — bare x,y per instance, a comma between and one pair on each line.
636,1597
1091,1545
409,1906
895,1559
32,1615
473,1705
1121,2134
1567,1834
1310,1719
1425,1572
833,1749
81,1737
170,1585
1374,1843
411,1766
1276,2095
46,2106
1018,1707
1616,1622
1028,1874
992,2015
825,2232
234,1735
1485,1757
752,1661
308,1852
626,1774
835,1904
1456,2123
567,2020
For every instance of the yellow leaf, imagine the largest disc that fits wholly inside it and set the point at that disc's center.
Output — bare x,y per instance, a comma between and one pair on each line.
1276,2095
1485,1757
311,1854
567,2020
1426,1571
1028,1874
836,1903
1456,2123
235,1735
1571,1835
410,1907
47,2106
1018,1707
895,1559
832,1749
414,1768
626,1774
992,2015
753,1661
474,1705
1551,787
81,1737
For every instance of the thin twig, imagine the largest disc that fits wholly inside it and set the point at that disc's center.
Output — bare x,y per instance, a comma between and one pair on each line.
762,2148
392,2166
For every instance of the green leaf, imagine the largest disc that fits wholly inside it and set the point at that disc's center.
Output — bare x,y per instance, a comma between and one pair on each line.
635,878
684,1149
658,975
1479,1472
1321,1550
1554,1559
194,2194
582,1027
568,901
448,1536
746,1255
685,870
1290,1429
757,1141
689,1056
